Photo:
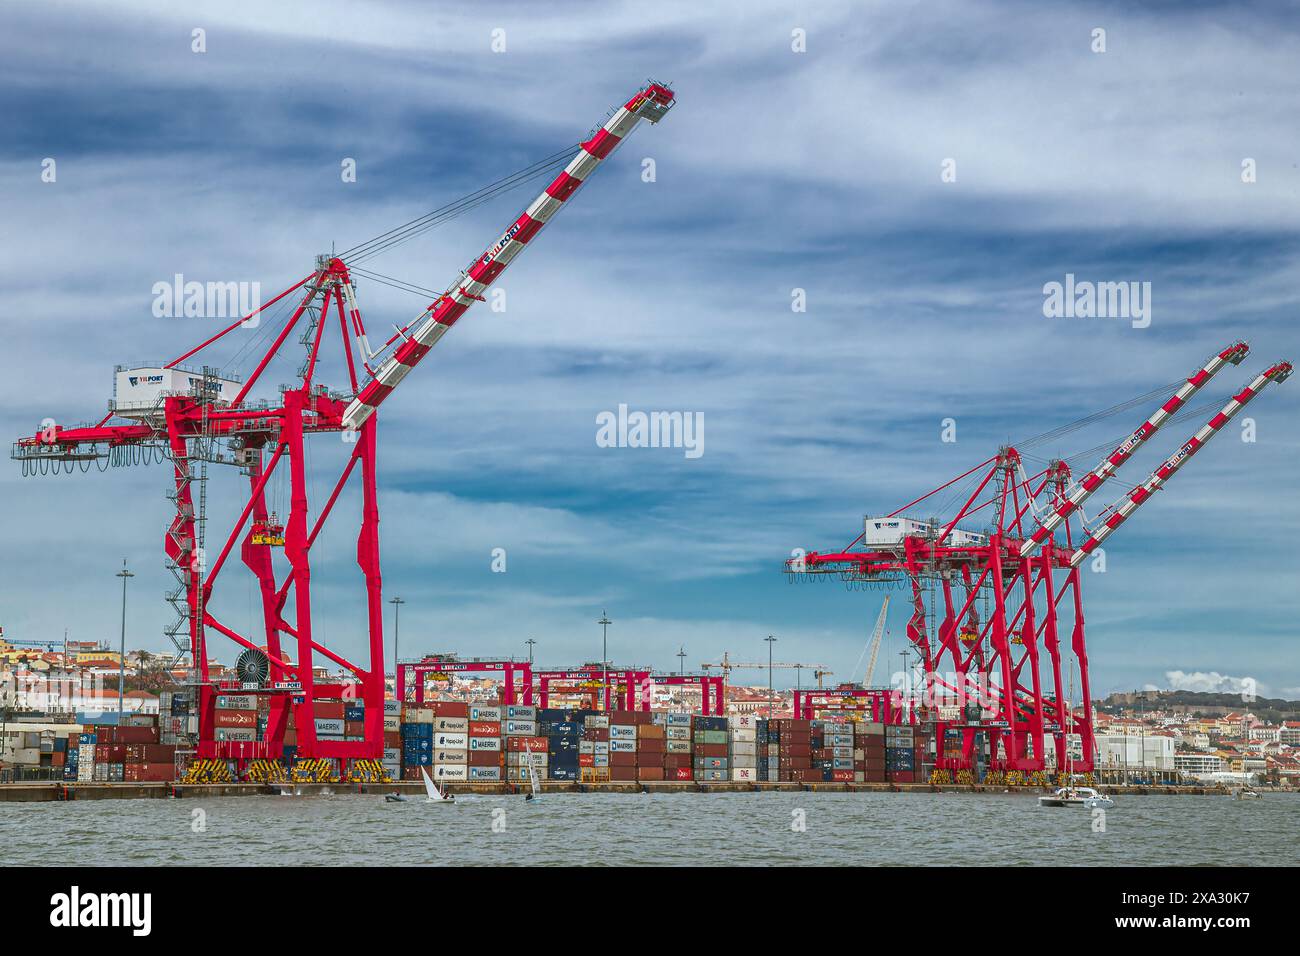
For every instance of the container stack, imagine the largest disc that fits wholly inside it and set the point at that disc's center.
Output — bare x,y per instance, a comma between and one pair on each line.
836,753
710,748
417,741
563,735
678,763
235,718
112,755
450,741
622,746
869,740
486,754
85,762
900,754
520,729
651,740
742,734
593,749
794,751
392,761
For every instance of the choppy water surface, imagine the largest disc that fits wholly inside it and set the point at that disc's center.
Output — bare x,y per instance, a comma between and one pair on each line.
641,829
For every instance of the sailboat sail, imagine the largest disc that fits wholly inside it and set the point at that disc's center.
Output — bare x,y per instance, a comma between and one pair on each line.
532,770
430,787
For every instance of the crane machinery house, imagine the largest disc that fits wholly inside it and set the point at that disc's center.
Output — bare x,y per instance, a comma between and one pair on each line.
140,391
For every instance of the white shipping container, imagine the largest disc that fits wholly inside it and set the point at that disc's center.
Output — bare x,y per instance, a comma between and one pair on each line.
419,715
492,714
392,755
622,746
235,733
457,741
484,743
741,749
450,771
454,725
677,733
520,728
521,712
744,722
622,731
450,756
744,773
517,758
742,735
484,773
328,725
677,746
596,721
678,719
393,707
601,746
392,722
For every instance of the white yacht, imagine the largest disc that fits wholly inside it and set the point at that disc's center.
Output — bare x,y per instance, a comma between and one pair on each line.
1076,797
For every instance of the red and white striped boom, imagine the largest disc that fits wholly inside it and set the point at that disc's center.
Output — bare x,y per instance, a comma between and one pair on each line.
1143,492
652,103
1232,355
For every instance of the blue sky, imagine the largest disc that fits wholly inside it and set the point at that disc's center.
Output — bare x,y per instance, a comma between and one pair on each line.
777,170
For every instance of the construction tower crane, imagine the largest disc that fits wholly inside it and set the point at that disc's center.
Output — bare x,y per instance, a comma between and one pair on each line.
876,635
194,418
1025,565
727,665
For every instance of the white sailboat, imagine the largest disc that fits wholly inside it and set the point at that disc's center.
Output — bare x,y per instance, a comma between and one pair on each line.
532,771
431,788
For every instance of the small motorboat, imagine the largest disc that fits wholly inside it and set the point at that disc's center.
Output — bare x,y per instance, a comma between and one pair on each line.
394,798
1077,797
1246,793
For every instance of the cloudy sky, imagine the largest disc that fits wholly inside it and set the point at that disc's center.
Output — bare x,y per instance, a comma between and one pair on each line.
778,170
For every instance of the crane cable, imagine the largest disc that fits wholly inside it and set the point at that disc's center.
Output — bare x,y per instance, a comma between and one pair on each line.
409,230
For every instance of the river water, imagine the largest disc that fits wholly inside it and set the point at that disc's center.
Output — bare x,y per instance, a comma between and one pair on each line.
646,829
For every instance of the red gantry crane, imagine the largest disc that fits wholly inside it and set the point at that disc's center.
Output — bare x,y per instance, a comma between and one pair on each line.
983,672
196,417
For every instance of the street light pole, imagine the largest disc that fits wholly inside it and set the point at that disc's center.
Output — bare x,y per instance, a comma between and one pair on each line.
530,642
397,603
770,641
681,661
124,574
604,623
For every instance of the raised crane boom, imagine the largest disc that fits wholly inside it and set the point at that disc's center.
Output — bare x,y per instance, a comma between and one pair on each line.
1232,355
652,103
1143,492
875,642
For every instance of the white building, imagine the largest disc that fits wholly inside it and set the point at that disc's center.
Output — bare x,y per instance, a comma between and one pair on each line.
1198,764
1135,752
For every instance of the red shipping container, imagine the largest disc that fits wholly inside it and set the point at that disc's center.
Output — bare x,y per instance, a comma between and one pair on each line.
157,772
651,745
595,733
649,773
902,776
485,728
354,728
328,709
586,760
535,744
392,739
710,750
621,759
58,757
842,776
795,750
135,735
617,772
242,719
677,760
450,708
485,758
679,773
